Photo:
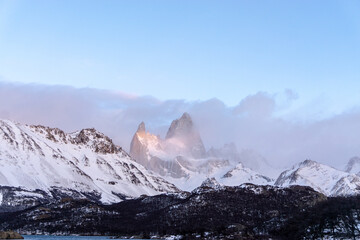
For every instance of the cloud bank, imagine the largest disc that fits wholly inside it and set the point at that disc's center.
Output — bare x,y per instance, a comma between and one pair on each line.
252,124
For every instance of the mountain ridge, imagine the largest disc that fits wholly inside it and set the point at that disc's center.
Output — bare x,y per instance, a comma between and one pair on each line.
182,159
86,161
321,177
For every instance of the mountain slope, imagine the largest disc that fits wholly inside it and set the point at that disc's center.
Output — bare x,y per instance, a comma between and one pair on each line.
87,161
322,178
250,211
181,157
240,174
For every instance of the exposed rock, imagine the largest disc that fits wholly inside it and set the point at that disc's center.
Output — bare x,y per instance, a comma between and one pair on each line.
183,129
210,184
180,127
96,140
353,166
138,146
181,158
141,128
10,235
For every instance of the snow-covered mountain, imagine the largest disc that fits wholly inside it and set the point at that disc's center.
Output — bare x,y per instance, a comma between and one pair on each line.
241,174
87,162
181,157
322,178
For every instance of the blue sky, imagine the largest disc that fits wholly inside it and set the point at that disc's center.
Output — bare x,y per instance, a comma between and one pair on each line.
192,50
280,77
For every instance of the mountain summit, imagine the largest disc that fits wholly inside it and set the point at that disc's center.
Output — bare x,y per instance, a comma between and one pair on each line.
322,178
84,163
167,156
181,126
182,139
181,157
183,130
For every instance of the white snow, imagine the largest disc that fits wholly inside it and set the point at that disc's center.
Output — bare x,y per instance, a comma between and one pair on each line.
322,178
29,158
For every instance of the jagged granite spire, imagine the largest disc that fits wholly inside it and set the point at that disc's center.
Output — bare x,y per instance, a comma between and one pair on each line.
141,128
138,150
184,130
181,126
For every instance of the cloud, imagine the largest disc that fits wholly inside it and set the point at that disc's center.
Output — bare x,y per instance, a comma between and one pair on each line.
71,109
253,124
258,106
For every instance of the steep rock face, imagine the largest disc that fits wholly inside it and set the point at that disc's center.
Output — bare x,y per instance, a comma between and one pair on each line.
182,139
353,166
181,157
138,146
150,151
322,178
87,161
183,130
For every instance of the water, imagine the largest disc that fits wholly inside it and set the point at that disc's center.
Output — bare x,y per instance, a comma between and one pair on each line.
43,237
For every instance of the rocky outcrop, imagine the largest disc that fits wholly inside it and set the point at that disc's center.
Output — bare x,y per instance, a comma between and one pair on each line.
353,166
138,146
183,130
10,235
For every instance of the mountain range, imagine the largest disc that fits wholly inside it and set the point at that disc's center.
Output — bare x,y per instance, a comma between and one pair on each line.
39,164
182,159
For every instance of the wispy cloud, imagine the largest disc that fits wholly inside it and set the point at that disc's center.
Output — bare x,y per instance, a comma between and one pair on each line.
252,124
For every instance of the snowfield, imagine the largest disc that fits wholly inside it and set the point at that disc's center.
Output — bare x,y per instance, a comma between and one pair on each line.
37,157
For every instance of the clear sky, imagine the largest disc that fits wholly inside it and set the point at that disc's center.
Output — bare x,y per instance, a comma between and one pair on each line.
192,50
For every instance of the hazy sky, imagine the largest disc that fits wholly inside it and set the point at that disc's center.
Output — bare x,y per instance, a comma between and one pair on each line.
193,50
252,124
281,77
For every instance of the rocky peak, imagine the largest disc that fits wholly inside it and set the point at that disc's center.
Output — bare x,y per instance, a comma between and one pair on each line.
181,126
141,128
208,185
138,148
353,165
308,163
96,140
183,129
53,134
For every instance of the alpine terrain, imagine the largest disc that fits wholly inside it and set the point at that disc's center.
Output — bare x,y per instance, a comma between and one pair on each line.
322,178
39,163
182,159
